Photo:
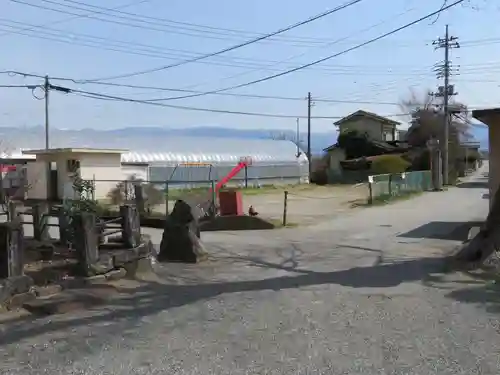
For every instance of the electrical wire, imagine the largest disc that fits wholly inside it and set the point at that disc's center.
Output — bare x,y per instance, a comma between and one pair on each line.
344,70
225,50
232,48
33,27
228,62
358,46
143,25
100,96
19,86
255,96
193,26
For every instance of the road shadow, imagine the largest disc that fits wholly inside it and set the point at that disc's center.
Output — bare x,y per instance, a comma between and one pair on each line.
443,230
481,184
126,313
484,296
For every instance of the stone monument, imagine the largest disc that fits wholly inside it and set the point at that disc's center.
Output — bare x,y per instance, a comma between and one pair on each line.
181,236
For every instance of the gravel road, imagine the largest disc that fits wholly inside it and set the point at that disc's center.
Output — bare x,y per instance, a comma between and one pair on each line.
358,294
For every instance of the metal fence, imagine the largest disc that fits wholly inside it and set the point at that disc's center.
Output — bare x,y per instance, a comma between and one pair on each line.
158,196
192,176
387,186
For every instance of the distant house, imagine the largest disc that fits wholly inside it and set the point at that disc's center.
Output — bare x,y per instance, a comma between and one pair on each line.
377,127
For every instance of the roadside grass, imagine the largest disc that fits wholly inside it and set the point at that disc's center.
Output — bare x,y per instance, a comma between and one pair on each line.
279,224
384,199
174,194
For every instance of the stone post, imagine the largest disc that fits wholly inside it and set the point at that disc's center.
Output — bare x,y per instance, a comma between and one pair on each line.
63,228
86,242
139,197
13,210
40,213
11,249
131,226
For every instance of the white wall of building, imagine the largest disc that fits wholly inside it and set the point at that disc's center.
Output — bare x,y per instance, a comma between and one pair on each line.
104,169
36,179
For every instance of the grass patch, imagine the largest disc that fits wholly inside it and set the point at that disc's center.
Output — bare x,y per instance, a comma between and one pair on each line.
174,194
385,199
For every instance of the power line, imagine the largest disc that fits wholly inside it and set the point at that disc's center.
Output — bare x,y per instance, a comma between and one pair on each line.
285,98
193,26
358,46
31,87
33,27
127,21
232,48
100,96
156,52
330,69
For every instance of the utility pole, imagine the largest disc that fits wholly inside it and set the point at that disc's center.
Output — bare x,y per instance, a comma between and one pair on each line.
309,105
46,88
444,70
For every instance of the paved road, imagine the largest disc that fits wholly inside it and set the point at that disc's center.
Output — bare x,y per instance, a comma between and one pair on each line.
361,294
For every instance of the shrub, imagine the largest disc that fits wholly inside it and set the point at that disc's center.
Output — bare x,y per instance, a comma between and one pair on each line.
389,164
152,197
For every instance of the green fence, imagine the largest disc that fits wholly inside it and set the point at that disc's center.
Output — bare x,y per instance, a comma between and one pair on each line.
387,186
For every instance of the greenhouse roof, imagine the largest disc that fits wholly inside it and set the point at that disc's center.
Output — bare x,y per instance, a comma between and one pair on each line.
173,150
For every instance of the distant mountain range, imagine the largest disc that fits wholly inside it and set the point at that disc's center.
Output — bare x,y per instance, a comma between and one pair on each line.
33,137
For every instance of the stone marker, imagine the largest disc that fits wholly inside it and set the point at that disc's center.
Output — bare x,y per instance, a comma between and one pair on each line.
181,236
11,249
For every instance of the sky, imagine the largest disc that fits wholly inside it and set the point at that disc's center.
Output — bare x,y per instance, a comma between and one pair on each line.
62,38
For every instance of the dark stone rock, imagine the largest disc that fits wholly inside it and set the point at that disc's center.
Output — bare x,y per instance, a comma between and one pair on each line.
181,235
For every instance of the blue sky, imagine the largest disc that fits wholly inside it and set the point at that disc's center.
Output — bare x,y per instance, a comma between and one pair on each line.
381,72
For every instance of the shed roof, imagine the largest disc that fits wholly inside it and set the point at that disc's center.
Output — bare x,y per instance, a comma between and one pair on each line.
483,114
362,113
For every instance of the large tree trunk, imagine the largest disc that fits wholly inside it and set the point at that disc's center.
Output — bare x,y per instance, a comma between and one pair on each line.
487,241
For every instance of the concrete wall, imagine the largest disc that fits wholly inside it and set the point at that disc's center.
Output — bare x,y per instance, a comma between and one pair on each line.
105,169
36,178
335,156
375,129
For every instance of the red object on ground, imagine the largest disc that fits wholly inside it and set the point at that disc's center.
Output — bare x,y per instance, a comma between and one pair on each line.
230,203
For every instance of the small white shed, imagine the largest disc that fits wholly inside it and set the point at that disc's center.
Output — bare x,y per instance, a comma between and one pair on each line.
102,165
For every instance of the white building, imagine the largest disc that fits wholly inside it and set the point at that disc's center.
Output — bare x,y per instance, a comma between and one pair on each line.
103,165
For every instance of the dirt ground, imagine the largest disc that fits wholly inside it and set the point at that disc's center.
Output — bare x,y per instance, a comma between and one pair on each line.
307,204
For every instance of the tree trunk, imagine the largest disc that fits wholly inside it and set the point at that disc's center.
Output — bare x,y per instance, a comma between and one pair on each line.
487,241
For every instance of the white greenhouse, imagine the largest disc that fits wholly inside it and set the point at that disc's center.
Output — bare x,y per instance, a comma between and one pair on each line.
196,161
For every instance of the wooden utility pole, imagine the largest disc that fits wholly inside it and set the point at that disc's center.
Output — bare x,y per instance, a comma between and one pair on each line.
309,105
443,70
46,87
